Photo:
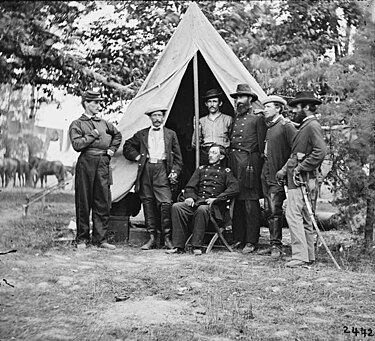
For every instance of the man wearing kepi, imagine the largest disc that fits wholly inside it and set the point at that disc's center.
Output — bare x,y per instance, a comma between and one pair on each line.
214,127
277,150
157,151
97,140
308,152
209,184
245,160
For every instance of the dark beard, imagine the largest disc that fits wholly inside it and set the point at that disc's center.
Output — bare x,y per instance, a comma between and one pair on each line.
298,118
242,108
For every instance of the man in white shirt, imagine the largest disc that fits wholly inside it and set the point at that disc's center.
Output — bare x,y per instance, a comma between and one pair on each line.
157,151
214,128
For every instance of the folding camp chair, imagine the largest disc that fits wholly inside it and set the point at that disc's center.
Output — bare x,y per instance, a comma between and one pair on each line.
217,229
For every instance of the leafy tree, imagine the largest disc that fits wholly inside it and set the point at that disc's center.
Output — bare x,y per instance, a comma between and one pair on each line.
118,50
353,155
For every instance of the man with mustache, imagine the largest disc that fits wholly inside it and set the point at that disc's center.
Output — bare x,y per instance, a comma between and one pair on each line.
307,154
214,127
209,184
279,139
245,160
157,151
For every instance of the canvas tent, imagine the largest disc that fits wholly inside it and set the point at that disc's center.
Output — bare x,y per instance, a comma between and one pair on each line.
195,59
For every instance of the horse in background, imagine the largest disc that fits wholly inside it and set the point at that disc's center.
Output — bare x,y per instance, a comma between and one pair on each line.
41,168
9,170
24,173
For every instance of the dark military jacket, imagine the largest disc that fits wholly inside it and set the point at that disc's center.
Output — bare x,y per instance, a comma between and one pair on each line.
309,142
80,133
211,181
279,140
246,150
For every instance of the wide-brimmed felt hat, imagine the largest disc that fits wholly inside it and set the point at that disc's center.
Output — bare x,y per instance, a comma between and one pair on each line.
244,89
305,97
154,108
212,93
91,95
275,99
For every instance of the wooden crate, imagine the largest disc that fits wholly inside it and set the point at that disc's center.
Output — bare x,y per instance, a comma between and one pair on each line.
118,229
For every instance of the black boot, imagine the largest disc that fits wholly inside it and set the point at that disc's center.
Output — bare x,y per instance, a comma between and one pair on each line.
275,227
166,224
150,220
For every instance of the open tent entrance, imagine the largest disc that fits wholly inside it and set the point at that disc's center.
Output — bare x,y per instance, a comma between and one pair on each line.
178,80
181,116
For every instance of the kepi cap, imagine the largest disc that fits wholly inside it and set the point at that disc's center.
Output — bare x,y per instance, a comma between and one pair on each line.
91,95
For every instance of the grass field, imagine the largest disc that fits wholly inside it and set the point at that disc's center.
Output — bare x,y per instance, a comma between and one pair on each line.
53,292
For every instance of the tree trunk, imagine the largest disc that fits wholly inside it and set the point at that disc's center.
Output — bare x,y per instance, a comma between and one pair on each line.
347,40
370,215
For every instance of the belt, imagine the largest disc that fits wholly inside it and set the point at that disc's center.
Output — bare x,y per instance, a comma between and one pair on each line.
95,152
155,160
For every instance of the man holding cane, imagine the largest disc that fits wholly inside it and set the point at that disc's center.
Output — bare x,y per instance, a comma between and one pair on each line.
308,152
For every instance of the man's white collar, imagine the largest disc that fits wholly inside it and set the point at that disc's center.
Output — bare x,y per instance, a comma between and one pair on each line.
308,117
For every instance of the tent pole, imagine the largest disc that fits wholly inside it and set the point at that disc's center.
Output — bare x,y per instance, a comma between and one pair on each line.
196,108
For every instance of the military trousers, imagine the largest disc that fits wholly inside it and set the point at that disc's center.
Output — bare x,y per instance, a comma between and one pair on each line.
92,194
246,221
187,220
274,197
300,225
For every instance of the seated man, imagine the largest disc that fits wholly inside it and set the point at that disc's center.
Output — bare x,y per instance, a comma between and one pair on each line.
208,184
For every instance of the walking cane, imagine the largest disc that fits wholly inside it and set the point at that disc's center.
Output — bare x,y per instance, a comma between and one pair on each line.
312,216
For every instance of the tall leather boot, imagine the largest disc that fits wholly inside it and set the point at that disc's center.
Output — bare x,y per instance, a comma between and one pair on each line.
277,230
276,237
166,224
150,220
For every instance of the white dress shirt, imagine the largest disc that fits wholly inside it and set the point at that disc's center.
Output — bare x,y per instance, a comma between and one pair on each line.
156,148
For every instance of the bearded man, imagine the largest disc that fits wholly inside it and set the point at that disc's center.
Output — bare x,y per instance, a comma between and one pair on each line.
245,160
308,152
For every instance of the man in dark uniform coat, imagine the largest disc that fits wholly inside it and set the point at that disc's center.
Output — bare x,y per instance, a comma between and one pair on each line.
308,152
245,160
97,140
209,184
279,139
157,151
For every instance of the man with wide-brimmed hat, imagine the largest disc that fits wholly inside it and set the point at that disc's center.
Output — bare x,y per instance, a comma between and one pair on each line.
97,140
245,160
157,151
307,154
213,128
277,150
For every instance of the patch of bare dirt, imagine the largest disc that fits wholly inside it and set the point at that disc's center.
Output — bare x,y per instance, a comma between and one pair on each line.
147,311
129,294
